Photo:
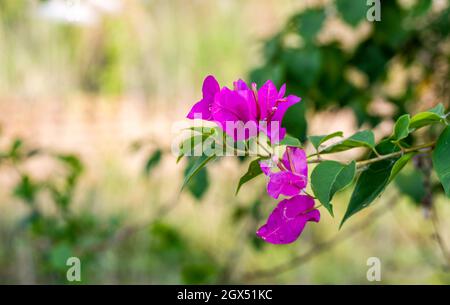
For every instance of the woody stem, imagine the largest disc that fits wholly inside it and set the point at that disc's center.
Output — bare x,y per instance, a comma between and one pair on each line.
387,156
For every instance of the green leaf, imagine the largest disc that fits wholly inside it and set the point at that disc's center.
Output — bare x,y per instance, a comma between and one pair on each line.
439,109
199,163
295,122
391,32
441,159
291,141
253,171
303,65
188,146
309,23
429,117
400,164
353,12
58,256
372,181
401,128
411,183
345,177
364,138
26,189
16,152
202,129
371,59
199,183
199,273
200,135
72,161
421,7
328,178
316,141
152,161
273,71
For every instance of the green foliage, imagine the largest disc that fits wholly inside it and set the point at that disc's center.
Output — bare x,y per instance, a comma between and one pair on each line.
421,7
364,138
295,122
303,65
432,116
328,178
61,234
352,12
152,161
199,273
441,159
193,145
316,141
309,23
173,250
290,141
411,183
195,175
316,70
26,189
401,128
400,164
372,181
254,170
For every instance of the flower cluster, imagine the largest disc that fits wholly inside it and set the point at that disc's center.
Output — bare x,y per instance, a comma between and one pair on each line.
289,218
260,109
245,111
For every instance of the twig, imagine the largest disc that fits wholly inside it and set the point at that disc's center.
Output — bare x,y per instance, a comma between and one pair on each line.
384,157
319,248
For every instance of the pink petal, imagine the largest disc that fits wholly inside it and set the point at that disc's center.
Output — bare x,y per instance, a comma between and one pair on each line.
267,165
294,159
282,91
240,85
202,109
288,219
285,183
249,98
267,96
273,130
234,114
283,106
210,88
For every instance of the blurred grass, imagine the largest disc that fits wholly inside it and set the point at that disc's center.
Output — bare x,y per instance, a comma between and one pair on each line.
95,89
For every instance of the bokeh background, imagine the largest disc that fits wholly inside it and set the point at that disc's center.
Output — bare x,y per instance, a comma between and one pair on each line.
90,91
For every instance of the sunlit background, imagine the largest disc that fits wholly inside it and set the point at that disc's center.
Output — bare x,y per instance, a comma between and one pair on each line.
89,93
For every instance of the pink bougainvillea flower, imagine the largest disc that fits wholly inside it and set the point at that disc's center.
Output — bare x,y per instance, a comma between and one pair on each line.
235,112
288,219
272,106
202,109
292,177
244,111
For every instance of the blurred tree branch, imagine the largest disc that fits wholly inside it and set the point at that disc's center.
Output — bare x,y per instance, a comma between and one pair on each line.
439,238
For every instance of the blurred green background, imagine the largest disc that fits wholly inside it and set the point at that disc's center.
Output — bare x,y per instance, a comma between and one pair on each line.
89,94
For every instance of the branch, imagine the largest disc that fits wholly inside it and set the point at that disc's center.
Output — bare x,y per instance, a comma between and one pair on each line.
319,248
385,157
